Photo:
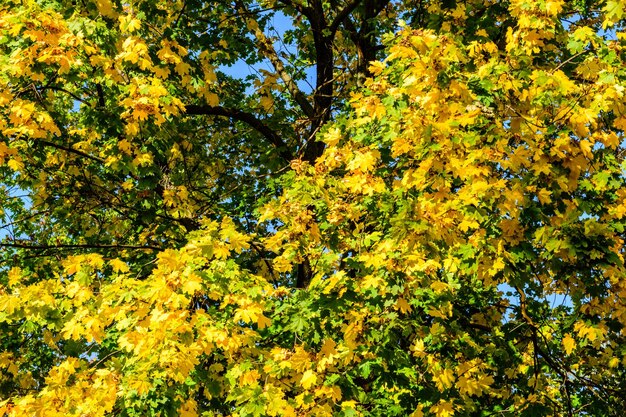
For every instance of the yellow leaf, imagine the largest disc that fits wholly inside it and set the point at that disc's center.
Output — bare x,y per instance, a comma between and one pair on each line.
443,409
182,68
15,276
544,196
263,322
442,312
249,378
333,392
588,332
418,412
554,7
133,25
328,348
418,348
498,265
143,159
72,264
9,304
129,23
188,409
280,264
308,379
95,260
474,385
125,146
614,10
141,384
249,313
403,305
372,281
376,67
221,251
444,379
347,405
267,102
16,164
364,160
192,284
49,339
106,8
569,344
586,147
118,265
439,286
73,330
212,99
237,241
437,329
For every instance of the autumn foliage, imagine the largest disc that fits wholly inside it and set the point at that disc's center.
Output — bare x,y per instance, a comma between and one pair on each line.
312,208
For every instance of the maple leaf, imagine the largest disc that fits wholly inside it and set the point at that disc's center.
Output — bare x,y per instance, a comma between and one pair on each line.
614,11
140,384
403,305
328,348
443,409
132,25
263,321
444,379
569,344
309,379
119,265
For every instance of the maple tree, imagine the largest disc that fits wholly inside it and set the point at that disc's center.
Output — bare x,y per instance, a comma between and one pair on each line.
401,208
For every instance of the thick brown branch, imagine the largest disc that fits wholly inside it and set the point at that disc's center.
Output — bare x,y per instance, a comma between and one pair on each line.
363,37
342,15
101,99
301,8
247,118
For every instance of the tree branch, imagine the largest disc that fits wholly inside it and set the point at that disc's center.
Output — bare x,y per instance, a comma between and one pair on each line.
247,118
55,88
301,8
342,15
69,150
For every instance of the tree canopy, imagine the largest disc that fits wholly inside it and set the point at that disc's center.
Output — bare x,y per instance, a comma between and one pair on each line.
312,208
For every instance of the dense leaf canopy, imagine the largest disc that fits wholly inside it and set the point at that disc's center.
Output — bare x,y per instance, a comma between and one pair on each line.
312,208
